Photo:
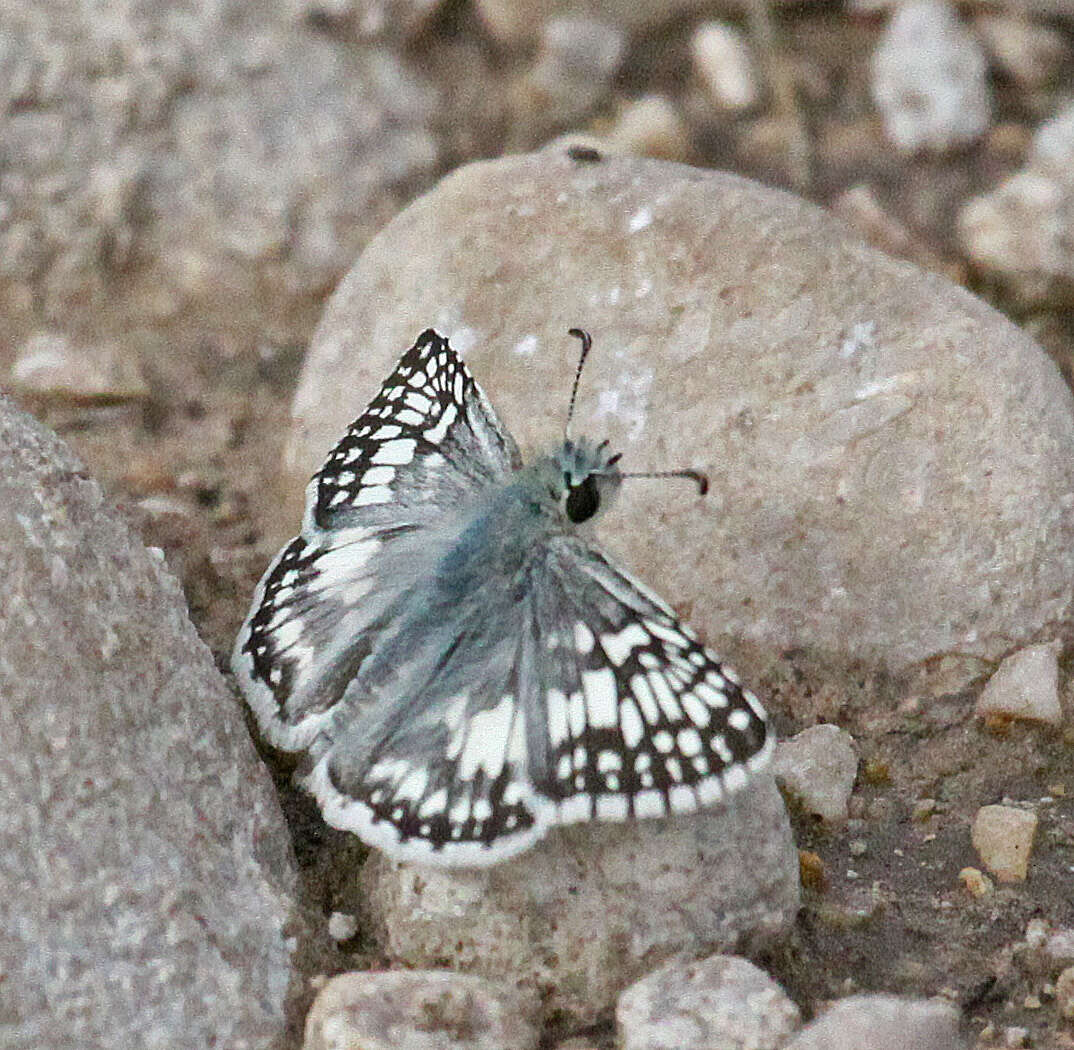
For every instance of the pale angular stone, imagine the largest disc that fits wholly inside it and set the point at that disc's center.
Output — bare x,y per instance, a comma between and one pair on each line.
722,1001
145,865
818,767
1026,685
430,1010
48,365
1003,839
882,1022
930,79
592,907
725,66
1031,54
743,332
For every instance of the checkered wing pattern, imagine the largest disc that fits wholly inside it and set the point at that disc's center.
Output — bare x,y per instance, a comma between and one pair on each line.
636,718
594,703
429,440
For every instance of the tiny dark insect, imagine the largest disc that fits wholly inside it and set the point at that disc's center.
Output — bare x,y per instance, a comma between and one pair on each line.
585,154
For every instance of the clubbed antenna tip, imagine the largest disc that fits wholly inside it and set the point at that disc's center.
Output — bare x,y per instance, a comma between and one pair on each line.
587,345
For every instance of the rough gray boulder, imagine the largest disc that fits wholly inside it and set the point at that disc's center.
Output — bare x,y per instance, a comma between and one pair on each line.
145,867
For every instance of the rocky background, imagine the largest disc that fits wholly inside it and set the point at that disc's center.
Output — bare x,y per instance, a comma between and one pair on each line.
886,550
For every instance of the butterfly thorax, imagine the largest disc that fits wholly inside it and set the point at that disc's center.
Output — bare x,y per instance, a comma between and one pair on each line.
501,534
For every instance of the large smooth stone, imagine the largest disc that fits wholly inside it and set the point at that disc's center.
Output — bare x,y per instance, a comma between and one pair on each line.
892,461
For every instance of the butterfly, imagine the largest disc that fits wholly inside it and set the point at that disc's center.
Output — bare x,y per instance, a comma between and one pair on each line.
462,667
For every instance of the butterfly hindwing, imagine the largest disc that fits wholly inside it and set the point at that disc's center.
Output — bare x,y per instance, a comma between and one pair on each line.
437,771
639,719
428,439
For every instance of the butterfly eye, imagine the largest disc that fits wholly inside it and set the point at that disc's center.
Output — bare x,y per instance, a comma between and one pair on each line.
583,500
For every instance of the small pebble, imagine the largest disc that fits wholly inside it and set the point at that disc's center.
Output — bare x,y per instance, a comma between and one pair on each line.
1029,53
725,67
1003,838
1014,1036
1026,685
341,926
651,127
976,882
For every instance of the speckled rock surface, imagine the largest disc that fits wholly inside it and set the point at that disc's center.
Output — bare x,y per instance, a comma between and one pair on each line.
145,865
224,158
722,1001
592,908
430,1010
891,461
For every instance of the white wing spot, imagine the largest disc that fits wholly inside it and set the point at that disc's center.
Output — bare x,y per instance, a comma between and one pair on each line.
376,476
583,638
372,494
619,646
739,719
630,725
602,697
396,453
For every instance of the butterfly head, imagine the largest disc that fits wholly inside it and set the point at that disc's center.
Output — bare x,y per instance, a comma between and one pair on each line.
581,478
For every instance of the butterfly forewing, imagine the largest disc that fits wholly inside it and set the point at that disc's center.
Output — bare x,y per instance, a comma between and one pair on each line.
428,440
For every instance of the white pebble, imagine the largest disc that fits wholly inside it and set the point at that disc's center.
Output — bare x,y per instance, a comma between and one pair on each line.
929,79
725,67
818,766
1003,838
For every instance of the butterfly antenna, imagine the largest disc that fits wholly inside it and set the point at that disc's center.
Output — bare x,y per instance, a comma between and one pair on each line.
587,344
699,479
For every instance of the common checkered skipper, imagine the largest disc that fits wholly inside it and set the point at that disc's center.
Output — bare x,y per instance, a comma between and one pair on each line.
463,668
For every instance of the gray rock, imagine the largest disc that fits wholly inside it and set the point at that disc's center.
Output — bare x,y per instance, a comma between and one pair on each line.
172,163
145,865
1023,230
591,908
722,1001
432,1010
930,78
887,454
818,767
882,1022
572,72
